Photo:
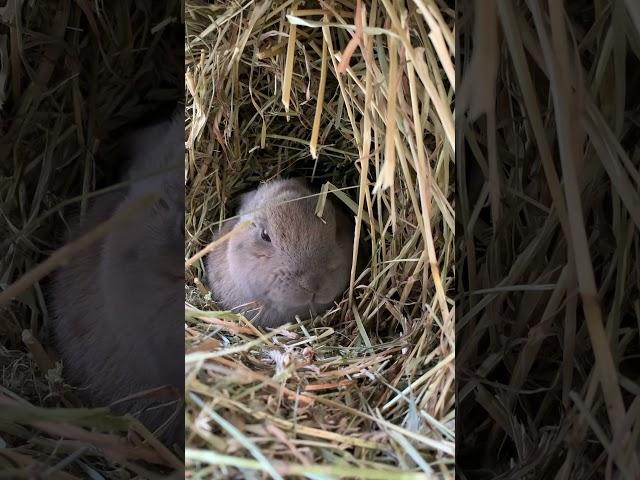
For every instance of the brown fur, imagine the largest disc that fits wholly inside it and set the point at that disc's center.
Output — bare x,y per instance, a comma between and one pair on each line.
304,268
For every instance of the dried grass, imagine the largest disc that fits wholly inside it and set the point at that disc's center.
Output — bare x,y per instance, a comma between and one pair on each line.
290,89
548,330
73,74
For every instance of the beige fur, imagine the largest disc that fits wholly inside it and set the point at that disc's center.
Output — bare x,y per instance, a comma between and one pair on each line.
304,268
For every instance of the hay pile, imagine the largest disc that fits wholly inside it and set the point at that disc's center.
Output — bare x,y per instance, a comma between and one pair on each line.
73,74
359,95
548,340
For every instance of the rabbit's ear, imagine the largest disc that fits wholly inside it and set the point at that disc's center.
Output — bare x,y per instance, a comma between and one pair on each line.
157,158
248,197
246,202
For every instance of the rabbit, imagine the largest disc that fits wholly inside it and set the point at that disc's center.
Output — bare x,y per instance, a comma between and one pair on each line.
288,262
118,306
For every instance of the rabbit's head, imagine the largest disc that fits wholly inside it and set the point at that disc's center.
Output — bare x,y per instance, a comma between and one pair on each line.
289,259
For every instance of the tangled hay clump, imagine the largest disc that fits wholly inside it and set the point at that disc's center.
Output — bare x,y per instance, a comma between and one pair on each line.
357,97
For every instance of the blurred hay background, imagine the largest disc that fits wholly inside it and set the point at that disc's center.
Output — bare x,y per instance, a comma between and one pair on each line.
359,95
549,199
73,76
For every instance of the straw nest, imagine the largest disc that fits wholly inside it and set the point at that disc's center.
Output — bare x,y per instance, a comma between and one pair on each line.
73,75
358,97
548,337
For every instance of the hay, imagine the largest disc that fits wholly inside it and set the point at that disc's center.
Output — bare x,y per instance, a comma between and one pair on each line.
73,75
290,89
548,332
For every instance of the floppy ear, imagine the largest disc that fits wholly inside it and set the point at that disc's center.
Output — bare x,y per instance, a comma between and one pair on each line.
247,197
242,202
157,157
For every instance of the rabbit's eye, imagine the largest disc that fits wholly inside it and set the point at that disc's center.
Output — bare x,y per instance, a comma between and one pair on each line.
265,236
163,204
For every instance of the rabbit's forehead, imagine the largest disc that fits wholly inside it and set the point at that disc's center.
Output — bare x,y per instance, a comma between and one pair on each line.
287,210
295,226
